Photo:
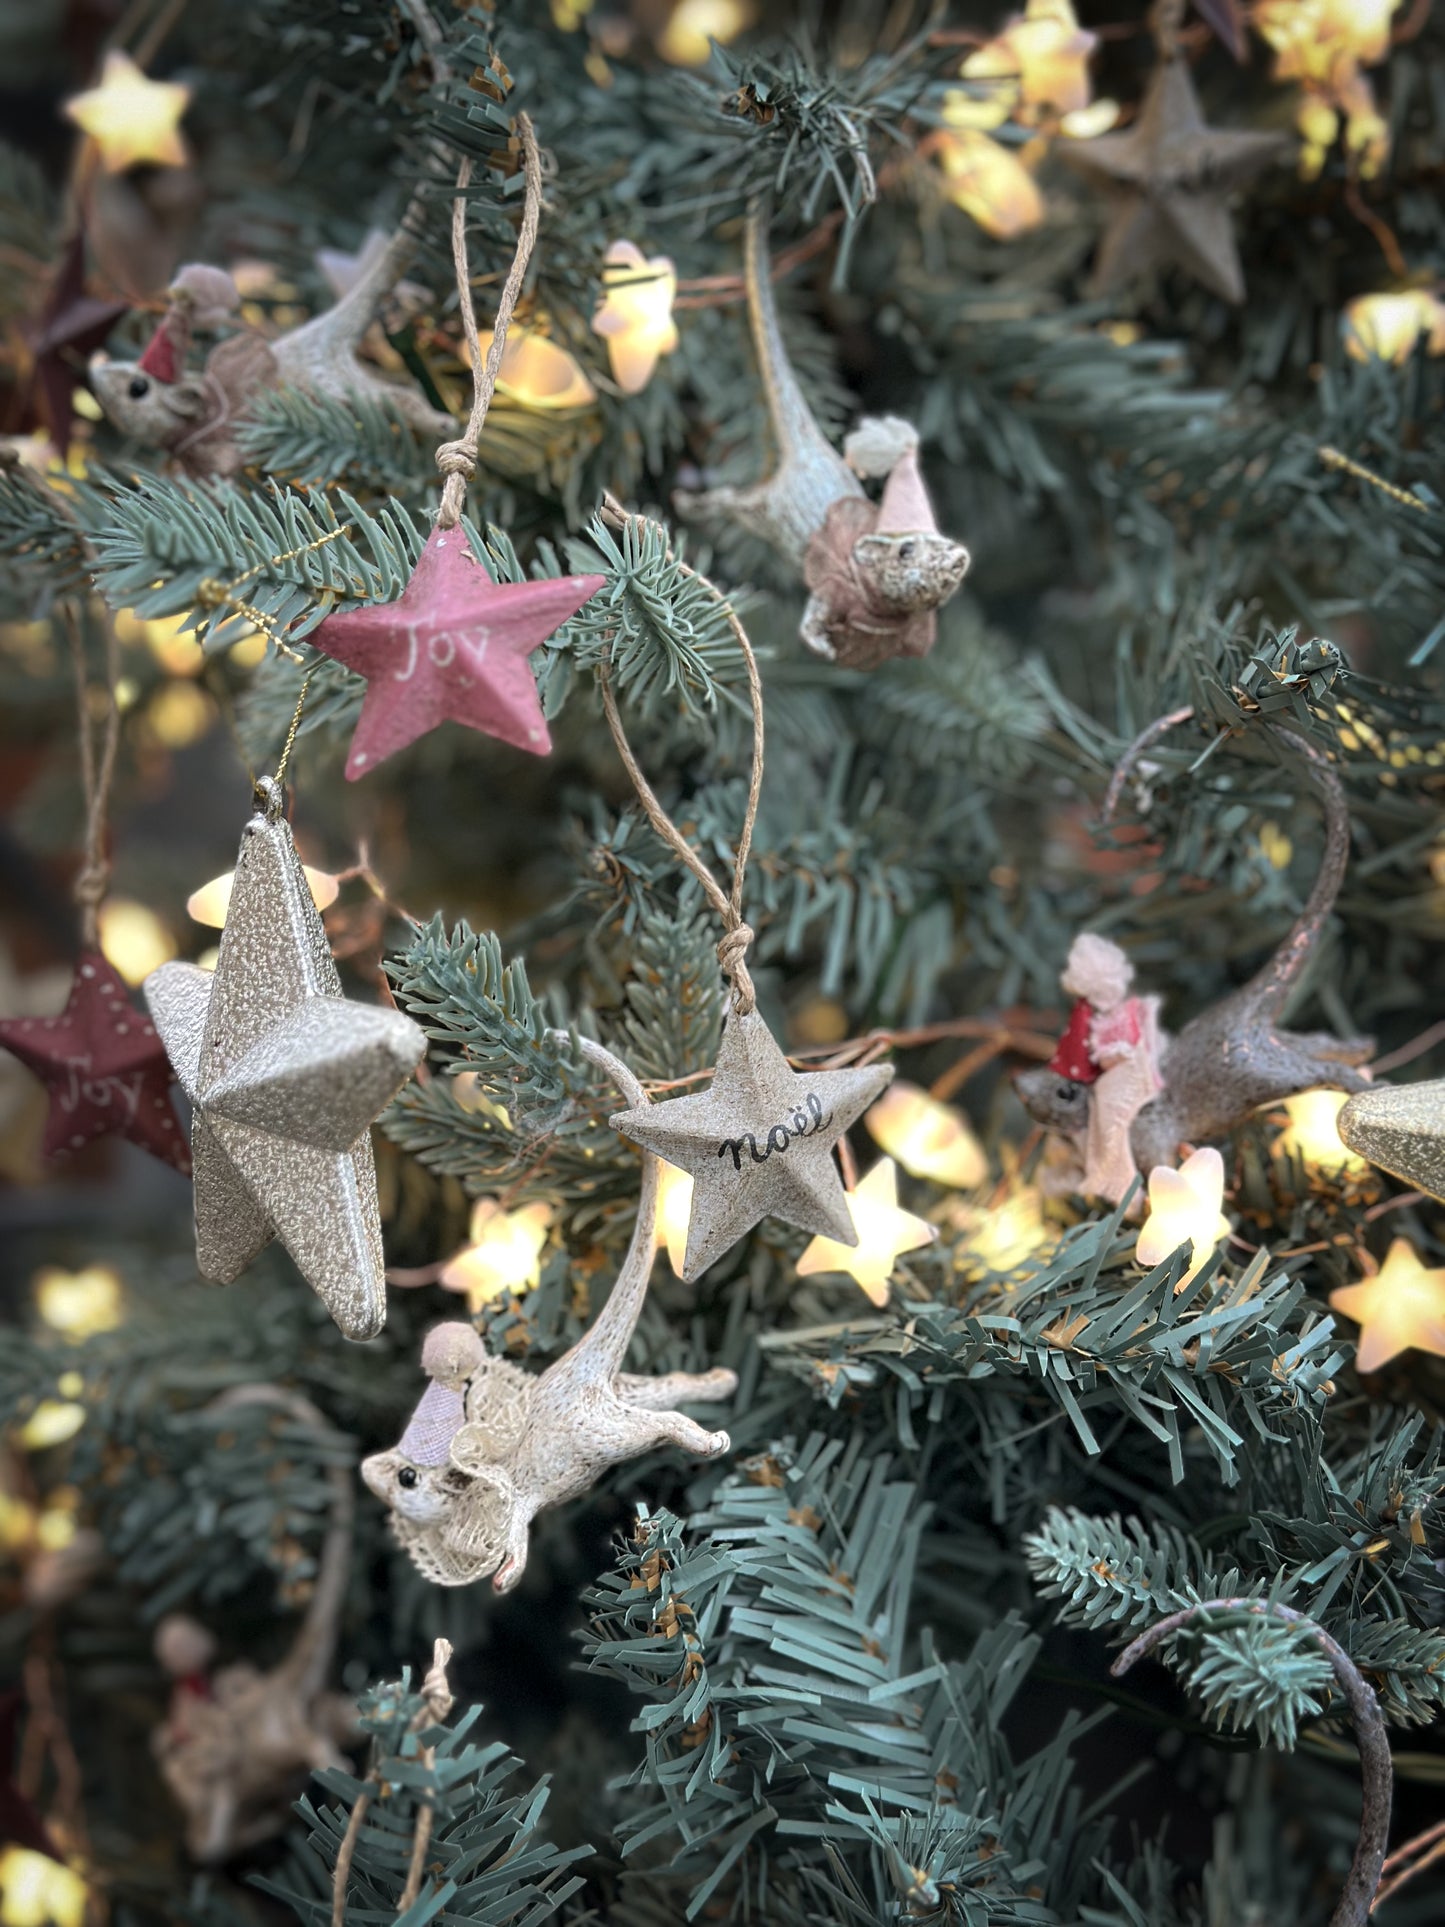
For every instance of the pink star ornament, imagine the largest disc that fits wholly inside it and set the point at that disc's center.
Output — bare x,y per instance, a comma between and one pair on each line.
454,647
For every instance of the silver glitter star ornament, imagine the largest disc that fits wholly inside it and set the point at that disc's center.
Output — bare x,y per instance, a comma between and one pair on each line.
1400,1127
285,1079
758,1142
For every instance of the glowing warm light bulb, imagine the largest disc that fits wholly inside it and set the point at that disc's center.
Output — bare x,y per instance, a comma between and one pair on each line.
1185,1208
130,118
536,372
885,1232
1086,123
1045,52
19,1523
212,901
635,317
1400,1309
133,939
79,1303
674,1209
989,183
179,714
694,23
1315,40
1311,1135
1386,327
52,1422
36,1891
929,1139
999,1237
505,1255
175,648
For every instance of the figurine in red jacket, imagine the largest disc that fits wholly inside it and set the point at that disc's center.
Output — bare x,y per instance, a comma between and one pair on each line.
1111,1042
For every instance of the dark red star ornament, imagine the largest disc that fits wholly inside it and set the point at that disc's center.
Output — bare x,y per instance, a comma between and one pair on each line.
104,1067
70,325
453,647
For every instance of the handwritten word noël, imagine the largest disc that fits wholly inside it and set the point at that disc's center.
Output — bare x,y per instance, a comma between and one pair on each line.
806,1121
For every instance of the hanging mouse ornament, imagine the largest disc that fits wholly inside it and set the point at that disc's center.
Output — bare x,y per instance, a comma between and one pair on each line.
876,574
285,1078
1125,1095
455,645
237,1745
103,1066
490,1445
192,415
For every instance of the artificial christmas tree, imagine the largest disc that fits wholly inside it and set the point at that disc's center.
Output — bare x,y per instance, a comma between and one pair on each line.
805,1600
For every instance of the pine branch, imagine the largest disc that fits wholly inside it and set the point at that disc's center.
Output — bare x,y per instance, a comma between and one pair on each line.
484,1856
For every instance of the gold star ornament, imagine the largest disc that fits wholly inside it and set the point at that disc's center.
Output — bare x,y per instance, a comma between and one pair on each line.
1168,179
130,118
1400,1309
884,1231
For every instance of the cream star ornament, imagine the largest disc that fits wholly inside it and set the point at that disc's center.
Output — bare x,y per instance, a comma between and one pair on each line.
130,118
1184,1208
285,1078
1400,1309
758,1142
1168,179
1400,1127
884,1232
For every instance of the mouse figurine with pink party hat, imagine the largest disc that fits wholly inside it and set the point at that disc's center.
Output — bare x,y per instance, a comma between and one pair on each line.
877,573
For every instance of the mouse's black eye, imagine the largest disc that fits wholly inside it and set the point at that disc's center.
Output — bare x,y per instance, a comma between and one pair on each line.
139,385
905,552
407,1476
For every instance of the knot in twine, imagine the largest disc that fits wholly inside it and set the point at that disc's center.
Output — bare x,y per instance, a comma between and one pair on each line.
90,883
456,458
731,952
435,1689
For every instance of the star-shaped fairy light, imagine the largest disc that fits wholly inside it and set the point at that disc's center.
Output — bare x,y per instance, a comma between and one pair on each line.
130,118
758,1142
1039,63
1185,1208
103,1067
1168,179
285,1078
453,647
504,1256
1400,1309
674,1210
635,317
884,1232
929,1139
1312,1134
1401,1128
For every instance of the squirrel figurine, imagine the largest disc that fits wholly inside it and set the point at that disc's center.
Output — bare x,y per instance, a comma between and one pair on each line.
193,416
236,1746
1230,1059
489,1445
877,573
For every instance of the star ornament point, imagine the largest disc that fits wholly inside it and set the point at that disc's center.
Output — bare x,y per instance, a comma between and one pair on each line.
132,118
1400,1309
1401,1128
1168,178
884,1231
758,1143
103,1067
454,647
285,1078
